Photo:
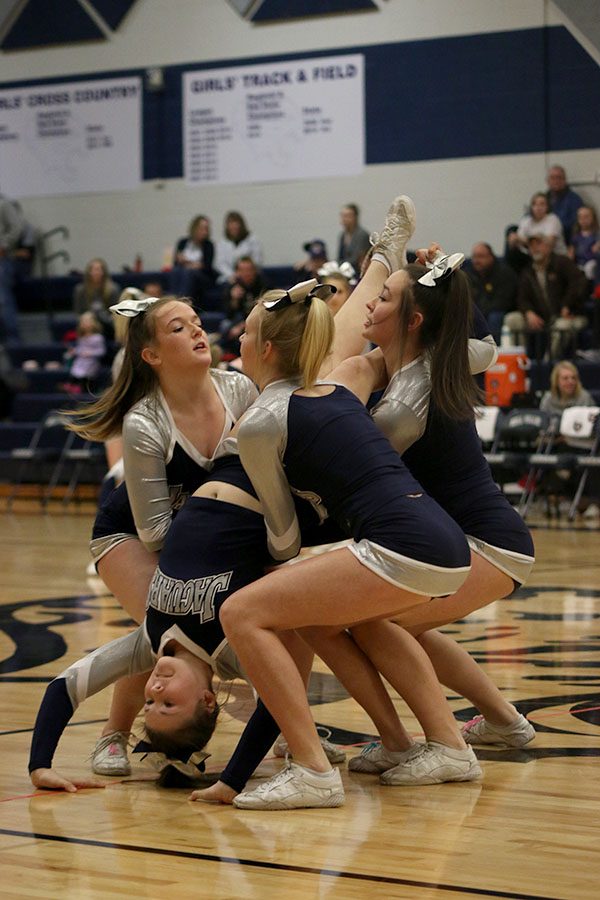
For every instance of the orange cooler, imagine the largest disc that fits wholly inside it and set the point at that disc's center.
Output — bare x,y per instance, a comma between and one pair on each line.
507,376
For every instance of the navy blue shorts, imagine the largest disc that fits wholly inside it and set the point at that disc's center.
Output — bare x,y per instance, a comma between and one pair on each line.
114,516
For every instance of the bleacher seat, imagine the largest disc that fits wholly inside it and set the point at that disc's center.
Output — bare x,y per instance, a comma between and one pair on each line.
33,407
41,353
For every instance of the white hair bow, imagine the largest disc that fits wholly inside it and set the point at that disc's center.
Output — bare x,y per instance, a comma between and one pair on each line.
303,292
132,303
441,268
335,268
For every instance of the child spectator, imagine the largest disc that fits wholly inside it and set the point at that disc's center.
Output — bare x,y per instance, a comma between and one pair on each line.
86,355
585,242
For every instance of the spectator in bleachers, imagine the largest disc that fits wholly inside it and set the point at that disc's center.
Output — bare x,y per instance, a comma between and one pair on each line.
237,242
96,293
585,241
539,220
150,289
565,389
316,251
11,228
562,200
551,295
354,243
193,272
239,299
342,277
87,354
494,286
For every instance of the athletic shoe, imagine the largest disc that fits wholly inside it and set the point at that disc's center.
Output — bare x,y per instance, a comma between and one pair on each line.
295,788
110,755
434,764
333,753
389,246
480,731
375,758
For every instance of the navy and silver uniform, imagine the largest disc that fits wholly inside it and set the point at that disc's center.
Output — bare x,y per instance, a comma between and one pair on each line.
328,450
162,467
401,412
449,463
212,549
446,458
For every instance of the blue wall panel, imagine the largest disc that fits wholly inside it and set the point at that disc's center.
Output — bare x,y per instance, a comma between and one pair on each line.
280,10
525,91
573,81
113,11
45,22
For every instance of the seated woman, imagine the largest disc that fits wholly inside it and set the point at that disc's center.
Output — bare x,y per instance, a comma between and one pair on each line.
97,293
192,273
565,389
539,220
237,241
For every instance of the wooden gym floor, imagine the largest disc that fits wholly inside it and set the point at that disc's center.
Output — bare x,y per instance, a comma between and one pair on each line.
531,829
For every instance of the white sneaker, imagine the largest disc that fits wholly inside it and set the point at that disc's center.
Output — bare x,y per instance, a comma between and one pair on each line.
333,753
295,788
110,755
480,731
434,764
375,758
389,246
591,512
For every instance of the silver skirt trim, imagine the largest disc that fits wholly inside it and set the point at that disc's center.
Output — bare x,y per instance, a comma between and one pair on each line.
410,574
516,565
99,547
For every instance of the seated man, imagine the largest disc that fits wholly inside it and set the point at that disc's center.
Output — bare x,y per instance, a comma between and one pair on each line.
238,299
494,287
550,296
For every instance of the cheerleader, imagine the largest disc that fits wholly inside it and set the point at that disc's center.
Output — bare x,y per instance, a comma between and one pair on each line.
320,440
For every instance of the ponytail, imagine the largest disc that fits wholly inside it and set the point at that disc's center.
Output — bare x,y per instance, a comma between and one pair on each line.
300,327
447,321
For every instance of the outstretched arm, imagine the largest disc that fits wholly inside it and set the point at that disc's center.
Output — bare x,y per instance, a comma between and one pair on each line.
350,319
123,656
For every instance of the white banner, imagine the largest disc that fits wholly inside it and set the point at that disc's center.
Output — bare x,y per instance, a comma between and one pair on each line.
71,138
274,122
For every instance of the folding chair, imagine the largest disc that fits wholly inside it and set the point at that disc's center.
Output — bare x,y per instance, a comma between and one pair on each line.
584,423
520,433
486,422
549,456
45,447
78,453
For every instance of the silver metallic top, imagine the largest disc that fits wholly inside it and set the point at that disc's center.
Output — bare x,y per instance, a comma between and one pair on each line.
133,653
261,443
401,414
149,438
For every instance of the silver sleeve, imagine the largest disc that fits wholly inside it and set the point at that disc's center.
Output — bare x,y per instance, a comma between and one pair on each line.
260,445
144,456
483,353
401,426
124,656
